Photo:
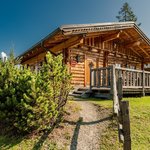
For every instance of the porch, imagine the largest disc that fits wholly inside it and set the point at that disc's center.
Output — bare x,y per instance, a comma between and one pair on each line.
134,82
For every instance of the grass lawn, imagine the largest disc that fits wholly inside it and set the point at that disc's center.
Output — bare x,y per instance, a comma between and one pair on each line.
140,125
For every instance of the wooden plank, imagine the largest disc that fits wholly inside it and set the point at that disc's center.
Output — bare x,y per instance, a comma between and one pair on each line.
120,88
133,44
140,79
111,37
132,87
149,80
136,79
105,60
127,78
91,78
85,69
130,78
68,43
145,79
144,51
127,69
35,59
143,83
95,77
77,75
99,78
80,72
108,76
90,41
113,91
124,78
103,77
135,52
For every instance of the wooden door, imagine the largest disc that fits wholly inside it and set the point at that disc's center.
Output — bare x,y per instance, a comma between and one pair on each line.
87,69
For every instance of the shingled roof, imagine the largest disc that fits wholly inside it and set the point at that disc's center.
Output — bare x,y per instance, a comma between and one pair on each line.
132,34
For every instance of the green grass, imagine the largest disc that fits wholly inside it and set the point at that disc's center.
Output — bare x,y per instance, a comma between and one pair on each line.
140,125
34,143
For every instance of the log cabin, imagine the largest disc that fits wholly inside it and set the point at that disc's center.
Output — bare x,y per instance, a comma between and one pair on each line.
98,45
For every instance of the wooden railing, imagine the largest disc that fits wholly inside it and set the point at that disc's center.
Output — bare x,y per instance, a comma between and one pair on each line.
134,78
116,79
103,77
100,77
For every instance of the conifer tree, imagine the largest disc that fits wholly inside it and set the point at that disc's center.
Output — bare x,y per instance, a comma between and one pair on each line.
126,14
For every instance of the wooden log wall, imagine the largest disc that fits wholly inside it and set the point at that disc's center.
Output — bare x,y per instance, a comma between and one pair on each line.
37,59
102,54
97,50
117,53
81,70
77,69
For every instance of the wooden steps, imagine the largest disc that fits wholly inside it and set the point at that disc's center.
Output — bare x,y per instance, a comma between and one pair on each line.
104,93
79,91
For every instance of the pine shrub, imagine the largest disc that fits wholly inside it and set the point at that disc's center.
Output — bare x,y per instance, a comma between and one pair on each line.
31,100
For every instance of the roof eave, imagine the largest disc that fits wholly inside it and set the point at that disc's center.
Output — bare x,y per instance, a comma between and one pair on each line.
142,34
56,31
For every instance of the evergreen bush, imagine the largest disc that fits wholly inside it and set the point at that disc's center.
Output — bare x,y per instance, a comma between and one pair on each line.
31,100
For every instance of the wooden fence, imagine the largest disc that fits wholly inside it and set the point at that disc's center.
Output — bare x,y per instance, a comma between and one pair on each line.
132,79
117,79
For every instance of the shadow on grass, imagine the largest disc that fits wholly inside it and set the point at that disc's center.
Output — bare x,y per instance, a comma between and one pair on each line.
8,140
79,123
45,135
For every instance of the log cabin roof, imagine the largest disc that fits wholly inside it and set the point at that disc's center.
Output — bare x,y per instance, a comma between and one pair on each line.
128,33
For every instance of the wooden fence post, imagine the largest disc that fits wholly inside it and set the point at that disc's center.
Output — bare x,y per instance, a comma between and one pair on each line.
120,88
113,91
91,77
143,84
126,125
123,118
120,121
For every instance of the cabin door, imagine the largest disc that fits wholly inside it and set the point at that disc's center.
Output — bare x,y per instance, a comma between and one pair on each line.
87,71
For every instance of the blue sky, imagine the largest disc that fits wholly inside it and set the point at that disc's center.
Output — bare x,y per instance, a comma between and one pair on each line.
25,22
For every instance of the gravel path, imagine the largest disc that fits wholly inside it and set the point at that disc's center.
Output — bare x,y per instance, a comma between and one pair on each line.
93,120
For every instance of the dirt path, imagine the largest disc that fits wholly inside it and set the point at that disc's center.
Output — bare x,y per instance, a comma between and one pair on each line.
93,120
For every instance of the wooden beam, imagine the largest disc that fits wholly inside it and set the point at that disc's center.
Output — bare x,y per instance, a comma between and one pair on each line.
133,44
105,50
112,37
146,60
68,43
135,52
105,61
127,34
145,52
